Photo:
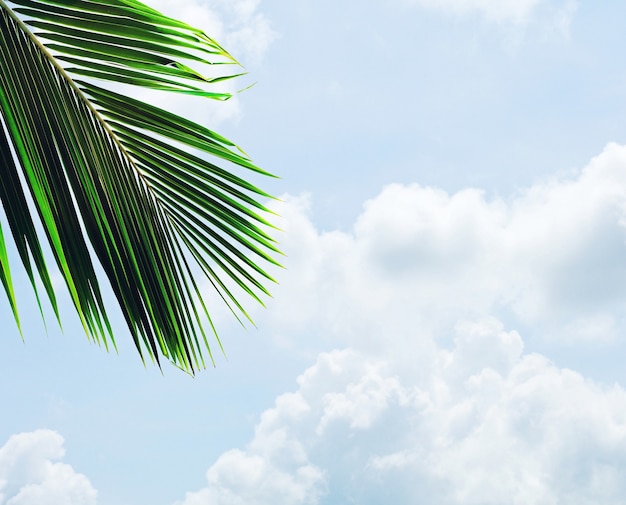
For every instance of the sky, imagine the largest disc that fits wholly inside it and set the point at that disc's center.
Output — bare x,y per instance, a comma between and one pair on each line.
450,327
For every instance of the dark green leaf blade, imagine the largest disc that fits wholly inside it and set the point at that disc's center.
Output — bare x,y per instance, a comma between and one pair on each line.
90,163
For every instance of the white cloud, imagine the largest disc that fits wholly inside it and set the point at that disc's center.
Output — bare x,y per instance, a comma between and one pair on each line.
30,473
240,478
249,31
242,29
552,256
238,25
273,469
482,428
432,398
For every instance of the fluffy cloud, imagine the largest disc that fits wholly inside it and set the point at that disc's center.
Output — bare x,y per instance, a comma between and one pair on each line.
552,257
30,473
431,397
480,428
275,467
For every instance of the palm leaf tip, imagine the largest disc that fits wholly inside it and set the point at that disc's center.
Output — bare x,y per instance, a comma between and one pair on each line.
114,179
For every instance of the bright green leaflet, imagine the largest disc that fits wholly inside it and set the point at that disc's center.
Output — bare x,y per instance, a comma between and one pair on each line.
155,196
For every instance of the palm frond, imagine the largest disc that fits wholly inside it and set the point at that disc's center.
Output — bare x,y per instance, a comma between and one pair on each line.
117,176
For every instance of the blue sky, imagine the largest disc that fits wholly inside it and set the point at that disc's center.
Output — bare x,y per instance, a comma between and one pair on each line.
450,326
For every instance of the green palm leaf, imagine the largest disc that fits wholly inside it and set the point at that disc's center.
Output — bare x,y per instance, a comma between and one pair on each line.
115,178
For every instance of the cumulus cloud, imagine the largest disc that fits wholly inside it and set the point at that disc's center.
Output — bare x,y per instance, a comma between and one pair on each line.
552,257
431,396
481,428
31,473
274,468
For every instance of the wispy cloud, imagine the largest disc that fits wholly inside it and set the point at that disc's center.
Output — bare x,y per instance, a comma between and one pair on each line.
239,25
242,28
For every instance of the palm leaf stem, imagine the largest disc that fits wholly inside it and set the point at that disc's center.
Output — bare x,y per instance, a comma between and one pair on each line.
68,79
